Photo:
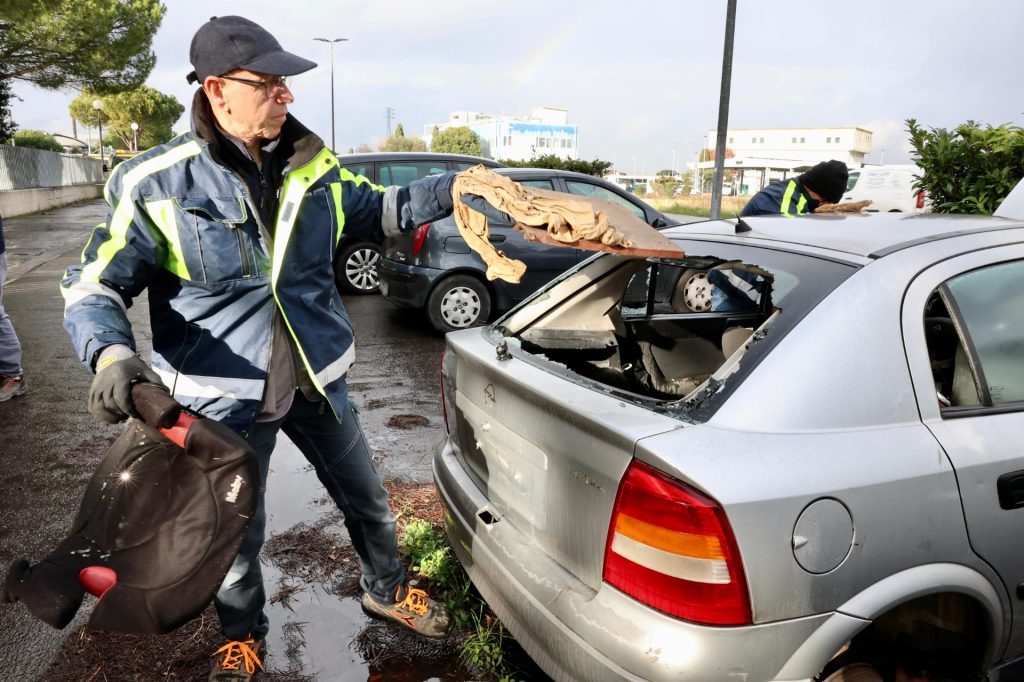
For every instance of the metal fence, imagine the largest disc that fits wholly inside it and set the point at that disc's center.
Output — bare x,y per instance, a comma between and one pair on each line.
25,168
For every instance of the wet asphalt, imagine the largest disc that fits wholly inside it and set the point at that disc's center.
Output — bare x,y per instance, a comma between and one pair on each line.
50,444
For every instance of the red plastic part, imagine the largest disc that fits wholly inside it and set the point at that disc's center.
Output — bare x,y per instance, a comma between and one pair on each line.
176,434
419,235
649,495
97,579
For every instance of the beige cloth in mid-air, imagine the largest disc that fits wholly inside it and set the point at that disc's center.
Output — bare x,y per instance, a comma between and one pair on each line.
848,207
566,219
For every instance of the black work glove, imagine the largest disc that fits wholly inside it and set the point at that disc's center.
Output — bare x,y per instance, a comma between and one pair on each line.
110,397
479,204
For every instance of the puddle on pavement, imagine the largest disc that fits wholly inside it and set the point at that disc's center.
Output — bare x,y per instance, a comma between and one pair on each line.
318,628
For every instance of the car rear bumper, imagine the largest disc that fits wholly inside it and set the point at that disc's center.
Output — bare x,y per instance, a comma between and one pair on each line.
406,285
577,633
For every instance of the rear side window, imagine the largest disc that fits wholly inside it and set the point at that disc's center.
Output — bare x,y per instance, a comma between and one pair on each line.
539,184
982,366
364,169
852,180
401,173
588,190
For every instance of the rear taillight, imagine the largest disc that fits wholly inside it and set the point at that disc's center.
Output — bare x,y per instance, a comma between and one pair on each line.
920,199
672,548
419,235
448,391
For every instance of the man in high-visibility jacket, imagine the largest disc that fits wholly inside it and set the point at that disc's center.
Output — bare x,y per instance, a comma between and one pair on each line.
232,228
823,183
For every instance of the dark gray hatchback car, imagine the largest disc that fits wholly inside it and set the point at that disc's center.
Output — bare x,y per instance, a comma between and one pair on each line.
433,269
356,263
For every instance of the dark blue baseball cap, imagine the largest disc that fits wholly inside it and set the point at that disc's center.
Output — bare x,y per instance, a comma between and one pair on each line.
224,44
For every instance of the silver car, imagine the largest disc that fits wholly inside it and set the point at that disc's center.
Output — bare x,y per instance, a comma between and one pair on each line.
796,453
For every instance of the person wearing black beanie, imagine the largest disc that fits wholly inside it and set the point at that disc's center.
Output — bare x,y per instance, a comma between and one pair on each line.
824,183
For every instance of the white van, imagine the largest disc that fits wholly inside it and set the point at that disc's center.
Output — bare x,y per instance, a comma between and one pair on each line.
890,189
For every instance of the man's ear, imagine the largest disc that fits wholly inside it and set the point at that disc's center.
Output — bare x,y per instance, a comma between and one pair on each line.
214,89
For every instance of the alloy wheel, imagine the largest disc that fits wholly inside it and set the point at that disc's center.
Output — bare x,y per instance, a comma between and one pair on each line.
361,269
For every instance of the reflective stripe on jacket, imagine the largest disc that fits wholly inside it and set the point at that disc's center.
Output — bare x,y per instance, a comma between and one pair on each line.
786,197
183,226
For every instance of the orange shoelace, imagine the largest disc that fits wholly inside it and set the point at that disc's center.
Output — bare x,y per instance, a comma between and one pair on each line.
415,601
236,653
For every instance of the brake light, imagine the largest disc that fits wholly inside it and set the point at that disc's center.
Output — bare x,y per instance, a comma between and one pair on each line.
672,548
419,235
920,199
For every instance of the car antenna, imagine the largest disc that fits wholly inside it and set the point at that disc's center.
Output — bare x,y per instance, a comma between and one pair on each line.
742,226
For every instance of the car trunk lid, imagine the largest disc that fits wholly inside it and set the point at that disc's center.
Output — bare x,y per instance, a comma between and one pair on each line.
547,453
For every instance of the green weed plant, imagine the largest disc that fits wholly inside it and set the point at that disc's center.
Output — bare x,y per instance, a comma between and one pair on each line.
430,557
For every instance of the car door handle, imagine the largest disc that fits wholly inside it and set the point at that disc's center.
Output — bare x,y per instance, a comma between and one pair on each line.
1011,490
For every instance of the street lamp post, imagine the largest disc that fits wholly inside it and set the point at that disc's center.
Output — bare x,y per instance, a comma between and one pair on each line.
135,136
331,41
723,110
97,104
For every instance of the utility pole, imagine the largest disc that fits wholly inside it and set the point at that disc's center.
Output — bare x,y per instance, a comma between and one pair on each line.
331,41
723,111
389,113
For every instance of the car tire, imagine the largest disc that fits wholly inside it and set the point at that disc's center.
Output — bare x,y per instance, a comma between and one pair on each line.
458,302
855,672
692,292
355,268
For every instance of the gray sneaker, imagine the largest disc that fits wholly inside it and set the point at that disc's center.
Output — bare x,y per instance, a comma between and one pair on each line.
12,387
413,609
237,661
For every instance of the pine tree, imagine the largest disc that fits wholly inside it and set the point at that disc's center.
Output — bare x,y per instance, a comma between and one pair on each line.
7,125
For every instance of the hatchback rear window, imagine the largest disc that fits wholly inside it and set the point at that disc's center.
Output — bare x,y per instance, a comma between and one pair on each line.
677,335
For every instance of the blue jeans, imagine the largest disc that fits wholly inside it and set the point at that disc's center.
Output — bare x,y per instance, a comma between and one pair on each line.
341,458
10,348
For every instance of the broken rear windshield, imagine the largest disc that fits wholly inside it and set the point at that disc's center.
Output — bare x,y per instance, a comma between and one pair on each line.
689,330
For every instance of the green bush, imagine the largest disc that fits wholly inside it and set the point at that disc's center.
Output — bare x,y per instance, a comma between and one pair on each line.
36,139
597,167
969,169
457,140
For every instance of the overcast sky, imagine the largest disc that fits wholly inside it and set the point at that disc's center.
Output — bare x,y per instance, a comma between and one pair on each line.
640,79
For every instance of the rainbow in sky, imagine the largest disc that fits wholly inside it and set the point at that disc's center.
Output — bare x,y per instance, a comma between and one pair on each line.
536,60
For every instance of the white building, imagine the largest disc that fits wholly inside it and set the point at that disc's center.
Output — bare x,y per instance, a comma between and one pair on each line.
810,145
519,138
763,155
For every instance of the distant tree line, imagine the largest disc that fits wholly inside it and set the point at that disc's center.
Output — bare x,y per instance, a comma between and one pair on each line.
462,140
597,167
